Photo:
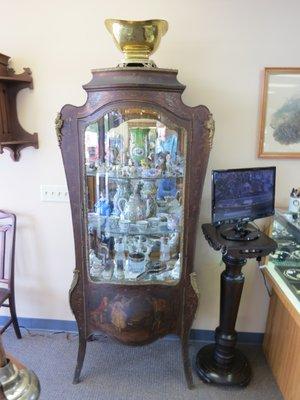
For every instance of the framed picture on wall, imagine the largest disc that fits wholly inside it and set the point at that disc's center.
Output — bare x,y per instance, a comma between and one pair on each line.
280,114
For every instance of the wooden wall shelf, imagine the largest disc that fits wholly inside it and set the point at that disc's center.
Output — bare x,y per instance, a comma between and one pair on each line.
12,135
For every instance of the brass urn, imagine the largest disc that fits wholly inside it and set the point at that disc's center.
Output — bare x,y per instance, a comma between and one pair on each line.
137,39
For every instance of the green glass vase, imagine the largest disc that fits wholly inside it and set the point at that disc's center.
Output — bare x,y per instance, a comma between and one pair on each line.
139,144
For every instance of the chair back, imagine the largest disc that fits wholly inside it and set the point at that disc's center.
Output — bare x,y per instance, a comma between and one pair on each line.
7,247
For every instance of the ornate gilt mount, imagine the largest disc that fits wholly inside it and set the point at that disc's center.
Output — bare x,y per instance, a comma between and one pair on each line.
210,126
193,278
58,127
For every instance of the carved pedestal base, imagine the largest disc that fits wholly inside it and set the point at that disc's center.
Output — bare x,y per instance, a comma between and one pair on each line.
236,374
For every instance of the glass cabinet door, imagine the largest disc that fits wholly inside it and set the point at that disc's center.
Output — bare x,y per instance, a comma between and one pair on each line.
134,181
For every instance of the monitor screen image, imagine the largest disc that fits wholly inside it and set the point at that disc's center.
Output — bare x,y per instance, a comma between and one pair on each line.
242,194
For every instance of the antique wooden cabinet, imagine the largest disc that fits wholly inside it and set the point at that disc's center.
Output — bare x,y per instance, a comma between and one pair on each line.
135,159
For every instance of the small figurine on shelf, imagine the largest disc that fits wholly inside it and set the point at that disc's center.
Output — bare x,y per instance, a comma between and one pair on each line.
149,246
175,272
179,164
123,191
141,244
169,165
161,162
145,165
174,242
96,266
294,203
164,249
148,193
119,248
103,206
131,169
114,155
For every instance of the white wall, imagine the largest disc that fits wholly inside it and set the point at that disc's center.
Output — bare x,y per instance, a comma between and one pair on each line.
220,48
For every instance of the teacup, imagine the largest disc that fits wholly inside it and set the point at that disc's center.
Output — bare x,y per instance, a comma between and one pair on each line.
136,262
163,225
154,222
124,225
142,225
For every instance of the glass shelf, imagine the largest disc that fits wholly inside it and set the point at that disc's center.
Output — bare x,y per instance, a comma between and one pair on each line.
169,276
128,178
134,232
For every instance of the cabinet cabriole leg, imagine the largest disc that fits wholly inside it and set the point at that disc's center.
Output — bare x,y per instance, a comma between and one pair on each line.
80,359
186,360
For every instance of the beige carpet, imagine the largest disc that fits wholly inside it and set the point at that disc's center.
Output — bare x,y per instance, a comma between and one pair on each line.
115,372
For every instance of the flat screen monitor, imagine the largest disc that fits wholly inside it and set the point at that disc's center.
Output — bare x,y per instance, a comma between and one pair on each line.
242,194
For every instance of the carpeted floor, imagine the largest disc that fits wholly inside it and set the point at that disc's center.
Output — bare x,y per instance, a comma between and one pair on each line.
115,372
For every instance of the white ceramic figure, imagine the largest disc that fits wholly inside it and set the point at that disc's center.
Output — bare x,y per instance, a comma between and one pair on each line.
175,273
164,249
96,266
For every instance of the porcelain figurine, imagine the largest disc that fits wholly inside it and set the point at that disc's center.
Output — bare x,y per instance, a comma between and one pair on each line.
175,272
141,244
169,165
119,248
148,250
161,162
148,192
96,265
164,249
104,206
174,242
173,221
122,192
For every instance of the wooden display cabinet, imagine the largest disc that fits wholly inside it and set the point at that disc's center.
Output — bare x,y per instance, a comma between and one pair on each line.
135,159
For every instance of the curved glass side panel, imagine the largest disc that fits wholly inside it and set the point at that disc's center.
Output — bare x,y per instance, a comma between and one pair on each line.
134,178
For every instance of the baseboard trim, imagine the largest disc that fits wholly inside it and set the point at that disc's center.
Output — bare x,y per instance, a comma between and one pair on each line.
243,337
58,325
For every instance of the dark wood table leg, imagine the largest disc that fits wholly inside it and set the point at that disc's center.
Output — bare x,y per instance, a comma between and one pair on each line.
221,363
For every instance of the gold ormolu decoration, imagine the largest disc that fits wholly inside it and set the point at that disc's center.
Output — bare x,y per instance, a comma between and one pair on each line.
193,278
137,39
210,125
58,125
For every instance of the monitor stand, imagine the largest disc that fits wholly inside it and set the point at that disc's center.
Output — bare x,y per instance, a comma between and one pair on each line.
240,232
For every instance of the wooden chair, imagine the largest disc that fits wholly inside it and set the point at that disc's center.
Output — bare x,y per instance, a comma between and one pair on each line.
7,268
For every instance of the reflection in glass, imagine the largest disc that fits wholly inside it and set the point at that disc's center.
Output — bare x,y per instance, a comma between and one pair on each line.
135,165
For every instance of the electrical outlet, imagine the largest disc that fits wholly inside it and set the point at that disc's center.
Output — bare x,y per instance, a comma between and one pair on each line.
54,193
